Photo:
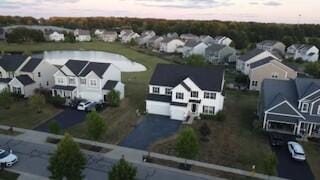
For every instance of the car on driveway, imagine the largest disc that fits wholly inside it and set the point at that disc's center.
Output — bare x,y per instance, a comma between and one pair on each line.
296,151
86,106
276,139
7,158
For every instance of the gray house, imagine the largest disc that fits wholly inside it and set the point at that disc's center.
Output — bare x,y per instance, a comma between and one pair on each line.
293,107
276,47
217,53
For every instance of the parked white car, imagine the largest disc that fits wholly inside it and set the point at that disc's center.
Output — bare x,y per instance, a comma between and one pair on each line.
86,106
296,151
8,158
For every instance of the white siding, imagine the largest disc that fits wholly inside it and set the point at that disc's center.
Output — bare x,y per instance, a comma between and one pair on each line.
160,108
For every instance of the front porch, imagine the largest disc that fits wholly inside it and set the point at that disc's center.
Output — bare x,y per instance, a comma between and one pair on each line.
68,92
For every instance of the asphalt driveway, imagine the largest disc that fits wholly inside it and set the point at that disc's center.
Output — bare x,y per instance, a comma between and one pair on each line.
151,129
66,119
289,168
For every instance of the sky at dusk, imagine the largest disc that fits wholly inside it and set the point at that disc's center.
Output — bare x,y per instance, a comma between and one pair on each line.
281,11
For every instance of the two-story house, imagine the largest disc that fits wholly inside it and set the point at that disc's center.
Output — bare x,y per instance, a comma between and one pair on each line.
255,55
109,36
305,52
291,107
272,46
182,92
22,74
56,36
222,40
217,53
171,45
129,36
207,39
87,80
194,47
155,42
145,37
82,35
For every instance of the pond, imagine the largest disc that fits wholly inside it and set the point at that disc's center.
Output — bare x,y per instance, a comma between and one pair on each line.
59,58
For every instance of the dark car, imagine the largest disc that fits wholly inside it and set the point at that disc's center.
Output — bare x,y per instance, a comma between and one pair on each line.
276,139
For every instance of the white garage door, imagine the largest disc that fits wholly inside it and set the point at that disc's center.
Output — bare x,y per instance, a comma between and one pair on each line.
91,96
177,115
159,108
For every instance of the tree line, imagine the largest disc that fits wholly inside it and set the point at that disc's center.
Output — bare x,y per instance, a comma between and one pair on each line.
244,34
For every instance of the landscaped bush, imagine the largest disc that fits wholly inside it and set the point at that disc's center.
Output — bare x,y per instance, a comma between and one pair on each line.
56,101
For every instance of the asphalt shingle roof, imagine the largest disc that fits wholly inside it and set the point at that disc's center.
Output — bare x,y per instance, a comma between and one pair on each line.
5,80
76,66
66,88
161,98
98,68
110,85
31,65
25,79
206,78
215,47
250,54
12,62
261,62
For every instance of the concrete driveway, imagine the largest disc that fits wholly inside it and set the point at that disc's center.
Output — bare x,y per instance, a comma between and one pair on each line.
66,119
289,168
151,129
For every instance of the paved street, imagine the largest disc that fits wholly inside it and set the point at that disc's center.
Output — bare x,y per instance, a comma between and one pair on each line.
151,129
33,159
66,119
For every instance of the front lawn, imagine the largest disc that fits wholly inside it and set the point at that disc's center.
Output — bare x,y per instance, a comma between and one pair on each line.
313,157
22,115
233,142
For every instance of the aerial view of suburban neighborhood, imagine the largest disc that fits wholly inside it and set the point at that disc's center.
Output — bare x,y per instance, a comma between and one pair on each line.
159,90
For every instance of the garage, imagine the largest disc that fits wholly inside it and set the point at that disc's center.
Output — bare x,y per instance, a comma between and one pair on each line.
178,112
91,96
159,108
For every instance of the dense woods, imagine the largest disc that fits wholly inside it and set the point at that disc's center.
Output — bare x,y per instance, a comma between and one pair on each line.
243,33
20,35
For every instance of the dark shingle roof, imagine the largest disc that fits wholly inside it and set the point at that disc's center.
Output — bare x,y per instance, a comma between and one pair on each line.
215,47
192,43
66,88
98,68
206,78
31,65
261,62
76,66
12,62
161,98
250,54
110,85
306,86
25,79
5,80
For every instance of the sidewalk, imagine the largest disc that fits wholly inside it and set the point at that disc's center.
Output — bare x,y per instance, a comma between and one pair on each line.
132,155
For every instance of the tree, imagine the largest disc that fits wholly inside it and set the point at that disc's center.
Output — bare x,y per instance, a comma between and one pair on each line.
242,80
123,171
96,125
196,60
205,131
37,101
113,98
6,99
270,164
313,69
187,145
67,161
54,127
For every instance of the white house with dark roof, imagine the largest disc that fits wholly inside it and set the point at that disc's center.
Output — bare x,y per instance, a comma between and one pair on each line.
291,107
194,47
184,92
272,46
56,36
305,52
23,74
170,45
109,36
87,80
244,61
82,35
222,40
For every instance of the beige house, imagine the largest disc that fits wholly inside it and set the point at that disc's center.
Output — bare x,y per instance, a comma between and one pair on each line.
269,68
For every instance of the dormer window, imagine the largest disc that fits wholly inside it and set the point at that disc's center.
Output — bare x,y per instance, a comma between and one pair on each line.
179,95
155,90
194,94
305,107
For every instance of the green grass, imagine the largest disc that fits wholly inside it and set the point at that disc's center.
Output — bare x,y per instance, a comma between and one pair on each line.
6,175
312,152
233,142
120,120
22,115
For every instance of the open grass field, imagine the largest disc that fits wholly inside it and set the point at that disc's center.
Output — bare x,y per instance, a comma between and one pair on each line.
233,142
120,120
22,115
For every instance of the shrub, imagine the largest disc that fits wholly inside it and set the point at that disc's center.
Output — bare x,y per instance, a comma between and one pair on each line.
113,98
56,101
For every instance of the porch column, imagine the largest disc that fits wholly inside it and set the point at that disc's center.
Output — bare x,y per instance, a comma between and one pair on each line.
295,129
310,129
298,130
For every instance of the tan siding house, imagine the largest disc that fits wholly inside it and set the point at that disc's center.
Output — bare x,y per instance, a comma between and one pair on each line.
269,69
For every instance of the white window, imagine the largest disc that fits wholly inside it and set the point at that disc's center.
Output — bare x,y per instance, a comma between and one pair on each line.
179,95
275,75
93,83
168,91
305,107
83,81
208,110
39,74
194,94
60,80
254,83
209,95
155,90
72,81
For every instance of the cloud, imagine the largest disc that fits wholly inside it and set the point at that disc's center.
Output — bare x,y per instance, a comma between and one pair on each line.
190,4
16,4
272,3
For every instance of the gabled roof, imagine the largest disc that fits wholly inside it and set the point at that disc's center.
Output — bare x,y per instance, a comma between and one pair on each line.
216,47
76,66
66,88
12,62
261,62
306,86
98,68
251,54
206,78
31,65
110,85
285,108
25,79
192,43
